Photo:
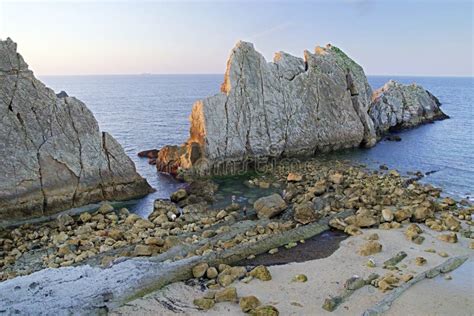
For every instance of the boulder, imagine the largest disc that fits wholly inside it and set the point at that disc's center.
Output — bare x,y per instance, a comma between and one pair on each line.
179,195
370,248
294,177
204,303
200,269
266,310
64,220
226,295
387,215
450,237
269,206
247,303
305,213
54,155
211,273
336,178
261,273
396,106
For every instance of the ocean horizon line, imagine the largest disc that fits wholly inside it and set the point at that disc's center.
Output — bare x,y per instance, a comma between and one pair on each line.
222,74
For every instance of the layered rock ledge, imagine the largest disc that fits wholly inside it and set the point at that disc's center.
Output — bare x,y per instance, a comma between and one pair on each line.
54,156
293,107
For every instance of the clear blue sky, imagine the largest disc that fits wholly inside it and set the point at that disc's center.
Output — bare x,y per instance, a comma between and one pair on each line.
385,37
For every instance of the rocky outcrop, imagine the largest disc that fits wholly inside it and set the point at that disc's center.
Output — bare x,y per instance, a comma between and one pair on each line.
290,107
53,154
396,106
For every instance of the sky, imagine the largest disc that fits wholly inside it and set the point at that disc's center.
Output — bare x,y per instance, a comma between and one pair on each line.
432,38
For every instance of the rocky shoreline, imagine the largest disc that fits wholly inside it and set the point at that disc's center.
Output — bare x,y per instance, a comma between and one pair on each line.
184,232
400,231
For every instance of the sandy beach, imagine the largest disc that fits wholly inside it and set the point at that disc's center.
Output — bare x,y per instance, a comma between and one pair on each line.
437,296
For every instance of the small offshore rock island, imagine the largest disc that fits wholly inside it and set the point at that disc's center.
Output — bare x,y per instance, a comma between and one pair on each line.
294,107
192,255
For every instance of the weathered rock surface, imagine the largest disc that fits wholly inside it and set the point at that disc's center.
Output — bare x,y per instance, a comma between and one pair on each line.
396,106
269,206
293,107
53,154
286,107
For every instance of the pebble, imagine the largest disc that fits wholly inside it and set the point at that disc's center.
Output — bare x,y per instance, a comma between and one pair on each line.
300,278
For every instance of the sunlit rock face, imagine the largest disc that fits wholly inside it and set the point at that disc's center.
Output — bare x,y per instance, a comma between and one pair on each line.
53,154
288,107
396,106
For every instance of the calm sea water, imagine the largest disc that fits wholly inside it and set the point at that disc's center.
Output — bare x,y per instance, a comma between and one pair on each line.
150,111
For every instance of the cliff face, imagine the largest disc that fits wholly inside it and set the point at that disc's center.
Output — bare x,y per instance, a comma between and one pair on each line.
396,106
53,155
290,107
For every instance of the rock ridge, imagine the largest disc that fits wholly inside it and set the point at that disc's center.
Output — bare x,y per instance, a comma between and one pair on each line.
54,155
291,107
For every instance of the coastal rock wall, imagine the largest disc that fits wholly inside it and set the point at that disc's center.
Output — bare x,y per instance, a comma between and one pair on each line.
293,107
396,106
53,154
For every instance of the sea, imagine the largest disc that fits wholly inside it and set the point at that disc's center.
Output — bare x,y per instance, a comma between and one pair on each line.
150,111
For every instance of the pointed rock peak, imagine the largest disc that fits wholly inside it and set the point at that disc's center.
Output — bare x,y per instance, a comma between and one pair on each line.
244,45
10,60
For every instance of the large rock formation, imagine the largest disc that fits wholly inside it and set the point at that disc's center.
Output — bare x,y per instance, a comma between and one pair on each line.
53,155
396,106
285,108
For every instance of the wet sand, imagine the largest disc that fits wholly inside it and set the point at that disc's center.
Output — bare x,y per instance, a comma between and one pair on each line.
317,247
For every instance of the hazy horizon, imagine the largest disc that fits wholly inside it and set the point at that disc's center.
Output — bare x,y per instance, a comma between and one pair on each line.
403,38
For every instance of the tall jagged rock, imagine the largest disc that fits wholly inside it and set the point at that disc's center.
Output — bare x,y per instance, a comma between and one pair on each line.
396,106
288,107
293,107
53,155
